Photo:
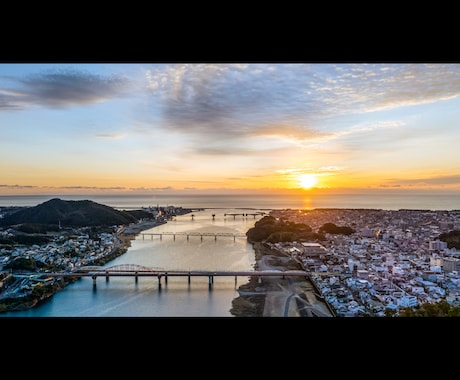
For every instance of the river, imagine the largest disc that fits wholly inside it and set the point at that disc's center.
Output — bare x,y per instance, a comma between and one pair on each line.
125,297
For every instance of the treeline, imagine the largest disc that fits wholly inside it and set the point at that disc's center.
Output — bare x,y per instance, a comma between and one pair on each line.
452,238
272,230
438,309
331,228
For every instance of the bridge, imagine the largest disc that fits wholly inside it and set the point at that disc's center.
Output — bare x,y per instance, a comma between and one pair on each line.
245,214
137,271
188,234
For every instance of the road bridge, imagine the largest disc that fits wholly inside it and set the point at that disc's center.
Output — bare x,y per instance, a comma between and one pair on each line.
189,234
136,271
245,214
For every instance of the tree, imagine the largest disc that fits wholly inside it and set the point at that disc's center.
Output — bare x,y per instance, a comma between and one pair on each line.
428,309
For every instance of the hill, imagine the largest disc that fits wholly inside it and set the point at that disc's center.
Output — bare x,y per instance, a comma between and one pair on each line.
72,214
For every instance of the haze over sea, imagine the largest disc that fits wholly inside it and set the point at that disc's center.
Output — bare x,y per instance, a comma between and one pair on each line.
386,200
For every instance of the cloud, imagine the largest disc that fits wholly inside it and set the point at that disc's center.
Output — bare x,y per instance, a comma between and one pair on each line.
217,106
437,181
59,88
90,188
323,171
224,100
7,102
110,136
297,102
6,186
18,186
377,87
165,188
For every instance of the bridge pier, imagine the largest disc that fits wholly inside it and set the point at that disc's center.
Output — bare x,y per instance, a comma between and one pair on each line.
189,278
136,277
210,281
94,281
166,278
235,281
107,276
159,282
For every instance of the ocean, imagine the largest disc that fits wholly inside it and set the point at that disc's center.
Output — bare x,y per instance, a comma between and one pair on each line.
387,201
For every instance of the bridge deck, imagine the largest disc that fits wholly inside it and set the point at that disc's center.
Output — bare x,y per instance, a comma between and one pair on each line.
177,273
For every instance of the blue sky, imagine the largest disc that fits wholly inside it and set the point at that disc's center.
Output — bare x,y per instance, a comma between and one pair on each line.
69,128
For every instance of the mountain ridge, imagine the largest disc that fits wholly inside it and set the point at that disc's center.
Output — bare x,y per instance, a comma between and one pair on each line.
73,213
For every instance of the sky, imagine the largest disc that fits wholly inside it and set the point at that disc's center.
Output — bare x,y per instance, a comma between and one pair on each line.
228,127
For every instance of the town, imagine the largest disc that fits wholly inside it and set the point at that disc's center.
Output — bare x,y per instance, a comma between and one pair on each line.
393,260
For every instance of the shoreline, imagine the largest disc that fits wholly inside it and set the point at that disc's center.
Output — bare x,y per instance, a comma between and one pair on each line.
137,228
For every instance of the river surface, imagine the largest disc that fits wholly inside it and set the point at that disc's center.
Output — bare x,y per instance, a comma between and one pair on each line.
124,297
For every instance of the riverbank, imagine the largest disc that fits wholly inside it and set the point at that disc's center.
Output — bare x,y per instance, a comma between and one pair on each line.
270,297
44,292
136,228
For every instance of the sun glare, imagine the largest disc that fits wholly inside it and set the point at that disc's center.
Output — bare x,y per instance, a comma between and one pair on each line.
307,181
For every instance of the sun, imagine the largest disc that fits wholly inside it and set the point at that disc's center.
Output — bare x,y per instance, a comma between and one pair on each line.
307,181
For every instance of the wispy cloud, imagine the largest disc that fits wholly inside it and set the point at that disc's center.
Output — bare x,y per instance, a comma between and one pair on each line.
115,136
229,102
442,180
18,186
376,87
319,171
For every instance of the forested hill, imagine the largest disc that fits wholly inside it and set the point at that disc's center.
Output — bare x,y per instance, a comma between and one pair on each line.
72,214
